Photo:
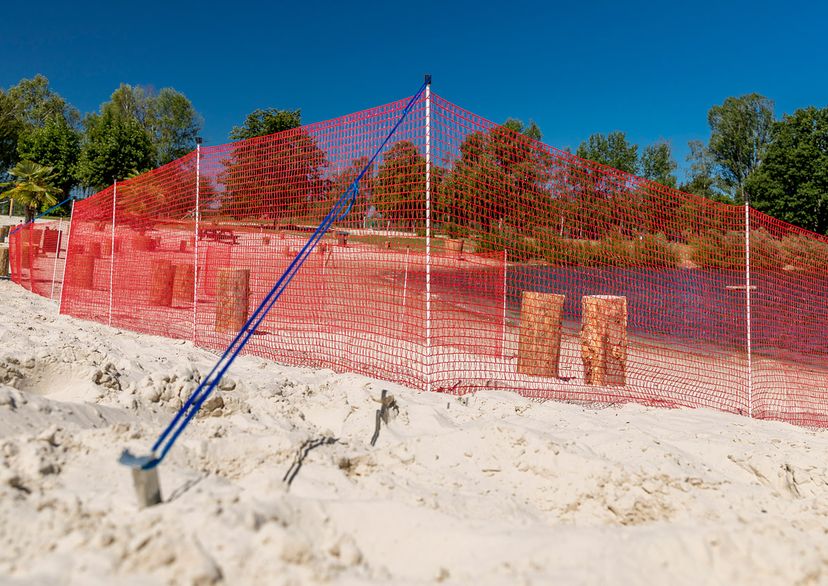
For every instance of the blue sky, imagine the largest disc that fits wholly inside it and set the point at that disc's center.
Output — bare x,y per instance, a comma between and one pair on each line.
651,69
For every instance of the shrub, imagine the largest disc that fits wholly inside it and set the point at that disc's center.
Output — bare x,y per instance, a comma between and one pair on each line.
804,253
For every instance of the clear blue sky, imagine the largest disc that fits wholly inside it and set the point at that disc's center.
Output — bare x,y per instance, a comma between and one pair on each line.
651,69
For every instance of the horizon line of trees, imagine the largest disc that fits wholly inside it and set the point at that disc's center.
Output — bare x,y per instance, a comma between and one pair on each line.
782,165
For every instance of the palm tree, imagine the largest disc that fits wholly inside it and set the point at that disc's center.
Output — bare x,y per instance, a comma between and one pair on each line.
32,188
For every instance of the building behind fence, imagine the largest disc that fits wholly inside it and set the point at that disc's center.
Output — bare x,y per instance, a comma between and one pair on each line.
461,230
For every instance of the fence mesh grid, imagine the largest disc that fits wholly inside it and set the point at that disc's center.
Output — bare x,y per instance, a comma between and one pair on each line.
538,272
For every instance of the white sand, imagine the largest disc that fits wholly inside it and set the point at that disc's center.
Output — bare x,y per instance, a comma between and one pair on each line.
490,488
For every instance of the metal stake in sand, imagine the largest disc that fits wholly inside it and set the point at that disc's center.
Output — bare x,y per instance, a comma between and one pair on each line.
145,480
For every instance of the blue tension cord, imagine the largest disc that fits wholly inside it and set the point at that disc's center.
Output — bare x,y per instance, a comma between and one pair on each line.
200,395
21,226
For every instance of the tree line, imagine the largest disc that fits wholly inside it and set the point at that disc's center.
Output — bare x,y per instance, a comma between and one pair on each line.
780,164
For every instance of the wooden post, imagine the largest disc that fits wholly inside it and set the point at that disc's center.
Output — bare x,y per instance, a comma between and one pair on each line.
141,243
4,231
604,340
4,261
183,282
83,271
539,343
453,247
161,286
232,292
51,238
25,245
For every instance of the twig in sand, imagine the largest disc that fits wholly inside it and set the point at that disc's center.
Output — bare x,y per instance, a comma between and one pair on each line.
386,402
306,447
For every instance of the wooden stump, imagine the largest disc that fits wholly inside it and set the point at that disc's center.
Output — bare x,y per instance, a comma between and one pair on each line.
539,343
37,239
83,271
183,285
604,340
161,286
453,247
94,249
25,252
4,261
51,240
232,291
141,243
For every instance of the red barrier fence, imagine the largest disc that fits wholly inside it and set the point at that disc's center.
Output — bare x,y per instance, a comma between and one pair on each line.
474,258
37,256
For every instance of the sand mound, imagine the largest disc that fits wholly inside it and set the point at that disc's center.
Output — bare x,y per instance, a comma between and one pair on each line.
490,488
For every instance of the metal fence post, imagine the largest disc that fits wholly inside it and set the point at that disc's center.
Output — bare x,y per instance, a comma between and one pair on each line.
66,260
428,227
747,304
57,255
112,252
195,242
503,338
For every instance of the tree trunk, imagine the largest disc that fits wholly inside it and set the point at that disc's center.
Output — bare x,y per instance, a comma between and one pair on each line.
83,271
4,261
232,292
161,286
604,340
183,285
539,343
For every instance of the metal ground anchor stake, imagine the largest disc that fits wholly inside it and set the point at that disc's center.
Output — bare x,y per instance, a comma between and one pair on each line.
145,480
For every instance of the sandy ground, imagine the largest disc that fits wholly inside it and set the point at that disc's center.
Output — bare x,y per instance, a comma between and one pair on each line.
489,488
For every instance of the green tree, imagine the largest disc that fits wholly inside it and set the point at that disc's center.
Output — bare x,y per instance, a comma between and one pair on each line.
25,110
174,124
612,150
657,164
701,175
169,118
740,133
531,130
113,146
399,188
266,121
500,175
36,103
56,144
10,129
278,178
791,183
32,188
340,182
